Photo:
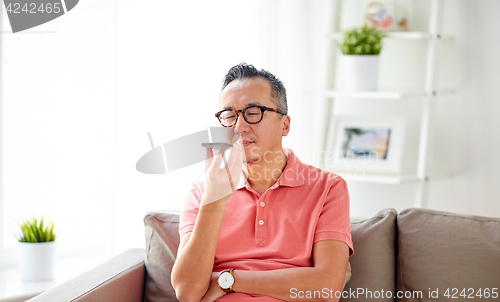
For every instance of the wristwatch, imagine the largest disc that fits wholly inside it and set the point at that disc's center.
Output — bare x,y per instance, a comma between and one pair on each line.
226,280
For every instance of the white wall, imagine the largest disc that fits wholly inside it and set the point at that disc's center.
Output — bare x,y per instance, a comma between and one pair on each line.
468,125
58,126
81,92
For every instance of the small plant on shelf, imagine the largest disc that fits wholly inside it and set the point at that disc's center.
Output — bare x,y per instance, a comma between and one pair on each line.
362,40
34,231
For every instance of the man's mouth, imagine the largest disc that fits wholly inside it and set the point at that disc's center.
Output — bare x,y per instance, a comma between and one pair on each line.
246,142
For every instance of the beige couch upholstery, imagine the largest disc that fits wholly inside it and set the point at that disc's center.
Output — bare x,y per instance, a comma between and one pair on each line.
416,255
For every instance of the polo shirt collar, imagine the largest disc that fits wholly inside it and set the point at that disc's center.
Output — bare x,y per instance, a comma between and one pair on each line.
290,177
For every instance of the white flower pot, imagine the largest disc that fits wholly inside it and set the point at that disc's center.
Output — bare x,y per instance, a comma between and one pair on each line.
37,260
360,72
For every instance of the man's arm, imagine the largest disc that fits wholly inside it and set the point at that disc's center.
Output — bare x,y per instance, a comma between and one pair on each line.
192,270
326,277
195,258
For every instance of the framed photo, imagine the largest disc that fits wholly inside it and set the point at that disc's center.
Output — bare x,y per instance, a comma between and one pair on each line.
366,144
387,15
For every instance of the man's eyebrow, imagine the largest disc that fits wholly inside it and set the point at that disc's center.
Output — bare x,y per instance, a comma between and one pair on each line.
253,104
247,105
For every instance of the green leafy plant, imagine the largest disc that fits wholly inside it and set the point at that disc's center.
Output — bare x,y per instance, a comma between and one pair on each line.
34,231
362,40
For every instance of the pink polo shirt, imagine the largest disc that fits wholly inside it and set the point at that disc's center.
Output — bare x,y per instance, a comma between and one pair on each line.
278,229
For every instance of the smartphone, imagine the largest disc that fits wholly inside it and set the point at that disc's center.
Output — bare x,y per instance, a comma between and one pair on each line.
216,146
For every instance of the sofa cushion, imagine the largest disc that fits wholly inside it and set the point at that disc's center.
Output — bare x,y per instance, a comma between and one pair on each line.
441,252
373,264
162,241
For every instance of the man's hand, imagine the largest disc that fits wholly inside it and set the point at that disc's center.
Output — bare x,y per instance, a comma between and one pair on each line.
222,172
213,292
192,271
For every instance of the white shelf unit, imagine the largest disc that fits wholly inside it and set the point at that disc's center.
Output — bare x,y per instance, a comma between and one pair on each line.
382,95
428,94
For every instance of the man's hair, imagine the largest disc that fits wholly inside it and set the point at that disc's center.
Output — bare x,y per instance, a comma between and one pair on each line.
244,70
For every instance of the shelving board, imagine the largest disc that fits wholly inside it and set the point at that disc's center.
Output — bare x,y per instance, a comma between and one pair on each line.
374,94
393,179
403,35
392,95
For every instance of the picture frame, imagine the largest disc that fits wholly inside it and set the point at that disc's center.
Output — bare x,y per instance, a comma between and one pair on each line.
365,144
387,15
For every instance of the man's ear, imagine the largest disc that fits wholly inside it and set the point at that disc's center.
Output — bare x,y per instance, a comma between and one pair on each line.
285,128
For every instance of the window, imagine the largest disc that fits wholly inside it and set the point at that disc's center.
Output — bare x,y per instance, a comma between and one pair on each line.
79,98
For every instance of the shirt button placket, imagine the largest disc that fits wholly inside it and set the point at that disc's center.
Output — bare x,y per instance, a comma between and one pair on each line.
261,227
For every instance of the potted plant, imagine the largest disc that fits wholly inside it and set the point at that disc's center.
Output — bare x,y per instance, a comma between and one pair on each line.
36,250
360,48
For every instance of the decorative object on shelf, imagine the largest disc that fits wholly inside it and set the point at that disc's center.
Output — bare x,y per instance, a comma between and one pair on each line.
366,144
36,250
361,47
387,15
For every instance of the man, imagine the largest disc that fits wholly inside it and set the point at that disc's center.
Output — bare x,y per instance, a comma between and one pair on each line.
284,232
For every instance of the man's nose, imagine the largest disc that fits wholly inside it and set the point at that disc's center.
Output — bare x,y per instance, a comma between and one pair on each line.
241,124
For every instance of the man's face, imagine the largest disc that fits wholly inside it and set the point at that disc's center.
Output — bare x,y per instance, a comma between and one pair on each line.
258,138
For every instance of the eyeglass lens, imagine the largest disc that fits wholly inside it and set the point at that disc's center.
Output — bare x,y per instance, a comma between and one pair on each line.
251,115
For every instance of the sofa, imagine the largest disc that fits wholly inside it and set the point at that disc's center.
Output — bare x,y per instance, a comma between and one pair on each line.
414,255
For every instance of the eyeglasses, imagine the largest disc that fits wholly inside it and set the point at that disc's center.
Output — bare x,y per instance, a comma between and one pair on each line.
251,114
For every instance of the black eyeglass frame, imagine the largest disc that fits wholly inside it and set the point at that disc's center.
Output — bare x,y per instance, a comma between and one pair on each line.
236,113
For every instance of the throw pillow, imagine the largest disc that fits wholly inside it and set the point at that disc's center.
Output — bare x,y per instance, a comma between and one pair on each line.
448,256
373,264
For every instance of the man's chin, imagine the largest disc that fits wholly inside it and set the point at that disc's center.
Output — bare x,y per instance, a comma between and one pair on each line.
252,153
252,160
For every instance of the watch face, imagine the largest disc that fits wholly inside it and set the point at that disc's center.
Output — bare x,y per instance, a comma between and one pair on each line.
226,280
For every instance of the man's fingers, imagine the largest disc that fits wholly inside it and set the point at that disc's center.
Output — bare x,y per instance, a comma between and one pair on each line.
228,156
229,161
228,172
236,155
216,161
209,158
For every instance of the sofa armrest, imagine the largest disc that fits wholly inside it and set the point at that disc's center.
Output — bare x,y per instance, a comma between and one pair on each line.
118,279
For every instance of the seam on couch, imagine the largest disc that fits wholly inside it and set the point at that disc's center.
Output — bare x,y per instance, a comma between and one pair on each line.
438,213
169,251
109,279
144,282
397,266
176,220
389,212
149,242
167,220
399,274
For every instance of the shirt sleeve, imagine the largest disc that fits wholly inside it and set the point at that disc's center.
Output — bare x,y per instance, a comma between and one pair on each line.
190,208
334,222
